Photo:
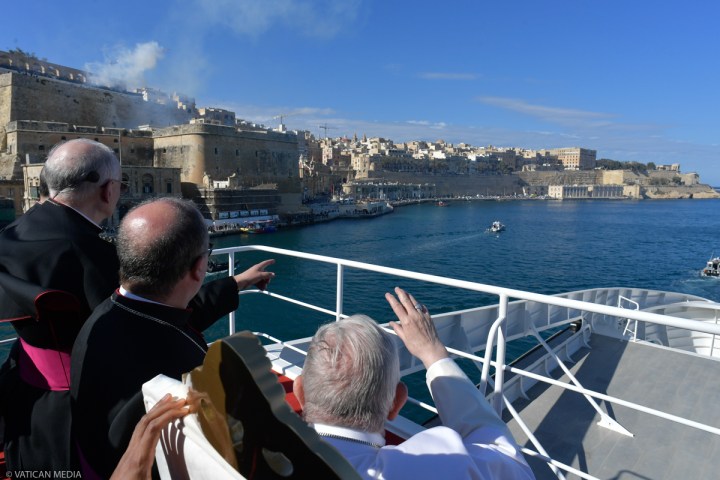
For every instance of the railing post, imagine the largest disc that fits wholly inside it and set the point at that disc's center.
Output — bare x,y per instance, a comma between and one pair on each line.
500,356
714,337
231,272
339,297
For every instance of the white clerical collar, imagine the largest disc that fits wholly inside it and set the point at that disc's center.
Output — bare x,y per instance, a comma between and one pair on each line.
350,434
132,296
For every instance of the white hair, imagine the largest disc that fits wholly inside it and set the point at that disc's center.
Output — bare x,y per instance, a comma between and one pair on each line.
350,375
77,174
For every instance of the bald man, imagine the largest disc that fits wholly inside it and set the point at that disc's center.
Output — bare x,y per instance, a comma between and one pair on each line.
143,329
55,245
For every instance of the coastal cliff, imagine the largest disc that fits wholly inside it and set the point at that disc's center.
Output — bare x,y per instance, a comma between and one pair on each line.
650,185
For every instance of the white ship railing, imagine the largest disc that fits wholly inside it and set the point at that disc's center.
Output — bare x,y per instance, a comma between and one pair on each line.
555,311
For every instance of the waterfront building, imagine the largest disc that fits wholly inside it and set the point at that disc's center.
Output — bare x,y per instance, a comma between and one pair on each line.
391,191
561,192
575,158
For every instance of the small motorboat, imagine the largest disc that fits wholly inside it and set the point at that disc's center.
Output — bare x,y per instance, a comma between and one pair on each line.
497,227
215,266
712,269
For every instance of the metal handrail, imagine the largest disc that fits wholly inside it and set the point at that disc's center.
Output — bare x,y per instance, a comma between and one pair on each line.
496,335
666,320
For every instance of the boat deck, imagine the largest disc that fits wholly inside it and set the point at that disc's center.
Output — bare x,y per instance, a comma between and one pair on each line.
678,383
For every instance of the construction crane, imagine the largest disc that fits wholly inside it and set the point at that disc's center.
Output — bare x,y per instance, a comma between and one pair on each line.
325,127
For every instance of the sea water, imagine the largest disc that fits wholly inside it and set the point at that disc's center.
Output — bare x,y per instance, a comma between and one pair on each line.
549,247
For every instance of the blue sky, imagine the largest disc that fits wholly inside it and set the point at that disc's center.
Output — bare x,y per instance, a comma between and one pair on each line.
634,80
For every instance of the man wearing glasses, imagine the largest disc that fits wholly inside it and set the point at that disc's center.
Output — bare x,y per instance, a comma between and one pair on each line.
144,328
56,245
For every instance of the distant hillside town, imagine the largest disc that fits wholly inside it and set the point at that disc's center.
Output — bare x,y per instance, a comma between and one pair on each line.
228,166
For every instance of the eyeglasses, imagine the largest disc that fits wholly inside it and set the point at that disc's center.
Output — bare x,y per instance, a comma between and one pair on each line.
123,185
209,252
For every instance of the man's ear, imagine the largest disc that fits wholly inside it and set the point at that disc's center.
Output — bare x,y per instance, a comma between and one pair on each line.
299,390
401,396
198,270
105,192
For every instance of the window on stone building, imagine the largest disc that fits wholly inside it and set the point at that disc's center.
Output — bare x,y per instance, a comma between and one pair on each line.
147,183
168,187
216,151
63,137
115,140
237,152
41,147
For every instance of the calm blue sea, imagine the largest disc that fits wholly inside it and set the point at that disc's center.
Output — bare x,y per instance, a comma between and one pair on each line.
548,247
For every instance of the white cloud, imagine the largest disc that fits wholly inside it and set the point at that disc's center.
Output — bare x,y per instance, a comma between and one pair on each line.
564,116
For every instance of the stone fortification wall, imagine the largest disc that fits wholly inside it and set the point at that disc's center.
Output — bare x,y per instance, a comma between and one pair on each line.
613,177
255,157
460,185
24,97
32,140
682,191
5,100
659,177
579,177
31,65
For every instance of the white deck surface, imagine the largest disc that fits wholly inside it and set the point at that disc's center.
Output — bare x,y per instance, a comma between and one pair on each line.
682,384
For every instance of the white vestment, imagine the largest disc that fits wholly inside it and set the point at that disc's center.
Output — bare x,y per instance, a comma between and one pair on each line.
473,442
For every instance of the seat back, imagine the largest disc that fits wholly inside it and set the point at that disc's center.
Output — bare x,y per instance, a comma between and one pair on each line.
44,317
46,321
259,434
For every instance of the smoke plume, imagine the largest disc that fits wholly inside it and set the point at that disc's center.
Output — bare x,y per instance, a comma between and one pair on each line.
126,68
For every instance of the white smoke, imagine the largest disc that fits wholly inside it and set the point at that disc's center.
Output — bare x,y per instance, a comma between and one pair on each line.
125,68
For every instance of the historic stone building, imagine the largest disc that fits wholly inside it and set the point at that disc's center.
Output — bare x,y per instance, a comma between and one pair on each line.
219,151
42,104
25,96
575,158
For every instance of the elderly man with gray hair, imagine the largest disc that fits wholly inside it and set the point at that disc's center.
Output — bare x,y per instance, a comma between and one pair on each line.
351,384
54,246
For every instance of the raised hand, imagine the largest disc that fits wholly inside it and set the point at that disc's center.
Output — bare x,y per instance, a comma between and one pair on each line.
416,328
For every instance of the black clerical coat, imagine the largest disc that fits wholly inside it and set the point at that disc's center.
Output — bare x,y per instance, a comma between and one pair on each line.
122,345
55,247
